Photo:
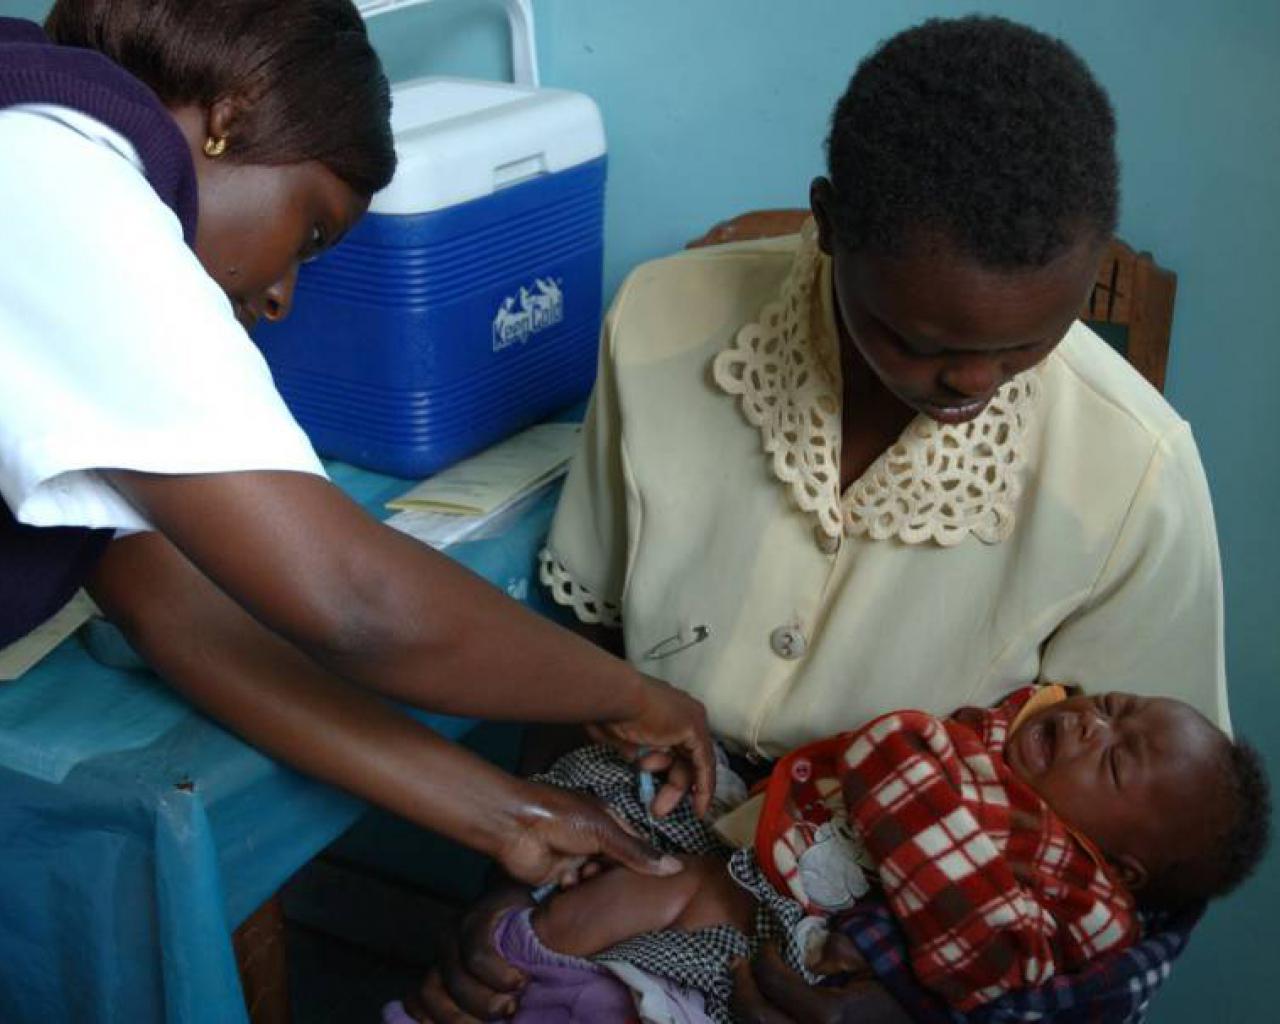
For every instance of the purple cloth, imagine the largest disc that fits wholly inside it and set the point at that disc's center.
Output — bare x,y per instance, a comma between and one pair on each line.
570,990
40,569
35,70
561,989
395,1013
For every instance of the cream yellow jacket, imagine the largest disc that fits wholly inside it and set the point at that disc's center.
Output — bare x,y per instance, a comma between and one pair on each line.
1065,535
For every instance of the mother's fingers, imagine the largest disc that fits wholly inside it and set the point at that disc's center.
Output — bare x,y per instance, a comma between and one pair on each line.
433,1004
474,955
462,994
839,955
788,991
748,1004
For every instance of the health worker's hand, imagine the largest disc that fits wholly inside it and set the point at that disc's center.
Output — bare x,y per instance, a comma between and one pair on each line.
673,726
559,833
767,991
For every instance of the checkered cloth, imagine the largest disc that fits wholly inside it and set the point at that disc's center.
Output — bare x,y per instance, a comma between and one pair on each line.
699,959
992,890
1114,989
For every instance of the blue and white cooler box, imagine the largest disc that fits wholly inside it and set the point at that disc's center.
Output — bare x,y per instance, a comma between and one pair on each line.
467,304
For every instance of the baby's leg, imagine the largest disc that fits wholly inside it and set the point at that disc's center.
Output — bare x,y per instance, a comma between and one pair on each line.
619,904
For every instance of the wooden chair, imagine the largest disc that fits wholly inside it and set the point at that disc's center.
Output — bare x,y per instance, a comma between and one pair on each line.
1134,292
1131,292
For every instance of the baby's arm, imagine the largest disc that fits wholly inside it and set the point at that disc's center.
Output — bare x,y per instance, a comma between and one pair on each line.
619,904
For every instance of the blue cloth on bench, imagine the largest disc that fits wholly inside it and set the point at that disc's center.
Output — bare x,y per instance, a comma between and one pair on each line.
137,834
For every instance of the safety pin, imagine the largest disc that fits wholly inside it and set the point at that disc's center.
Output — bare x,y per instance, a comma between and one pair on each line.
675,644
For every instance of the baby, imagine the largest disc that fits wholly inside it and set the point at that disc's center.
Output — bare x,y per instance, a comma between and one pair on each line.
1010,844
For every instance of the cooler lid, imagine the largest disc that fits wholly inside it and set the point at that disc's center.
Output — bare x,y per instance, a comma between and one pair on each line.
459,139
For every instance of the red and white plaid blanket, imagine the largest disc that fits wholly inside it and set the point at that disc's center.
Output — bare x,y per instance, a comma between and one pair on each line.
992,890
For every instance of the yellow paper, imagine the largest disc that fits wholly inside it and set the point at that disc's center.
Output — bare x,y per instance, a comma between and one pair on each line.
485,482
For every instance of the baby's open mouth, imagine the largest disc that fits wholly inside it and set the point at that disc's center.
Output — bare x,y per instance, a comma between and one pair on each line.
1049,737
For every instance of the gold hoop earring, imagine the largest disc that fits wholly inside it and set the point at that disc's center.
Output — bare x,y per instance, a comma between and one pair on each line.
215,147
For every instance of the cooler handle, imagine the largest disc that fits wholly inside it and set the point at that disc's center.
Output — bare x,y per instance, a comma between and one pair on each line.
524,53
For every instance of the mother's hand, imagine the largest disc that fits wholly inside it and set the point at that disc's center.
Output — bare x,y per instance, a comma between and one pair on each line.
470,982
767,991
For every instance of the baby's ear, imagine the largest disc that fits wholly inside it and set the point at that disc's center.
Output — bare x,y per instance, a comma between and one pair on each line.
1133,873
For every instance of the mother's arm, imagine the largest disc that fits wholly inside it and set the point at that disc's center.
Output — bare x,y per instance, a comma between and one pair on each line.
1117,987
1152,621
767,991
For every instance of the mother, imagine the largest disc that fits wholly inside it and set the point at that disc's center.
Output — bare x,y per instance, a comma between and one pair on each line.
879,464
156,198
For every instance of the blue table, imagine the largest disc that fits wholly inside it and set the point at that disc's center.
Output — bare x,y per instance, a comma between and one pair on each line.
136,834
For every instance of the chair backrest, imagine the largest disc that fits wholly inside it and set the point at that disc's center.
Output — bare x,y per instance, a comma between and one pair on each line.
1132,291
1137,294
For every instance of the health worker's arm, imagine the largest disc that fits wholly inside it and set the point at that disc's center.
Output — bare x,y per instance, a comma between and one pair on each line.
132,399
283,702
383,610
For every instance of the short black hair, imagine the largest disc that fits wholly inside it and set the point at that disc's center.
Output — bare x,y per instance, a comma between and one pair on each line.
980,133
312,85
1238,845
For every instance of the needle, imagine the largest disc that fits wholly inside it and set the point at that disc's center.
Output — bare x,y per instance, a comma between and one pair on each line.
646,791
542,892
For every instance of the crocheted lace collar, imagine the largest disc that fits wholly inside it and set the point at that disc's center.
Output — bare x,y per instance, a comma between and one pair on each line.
937,482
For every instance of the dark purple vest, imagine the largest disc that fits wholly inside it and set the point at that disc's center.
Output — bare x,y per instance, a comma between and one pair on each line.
41,568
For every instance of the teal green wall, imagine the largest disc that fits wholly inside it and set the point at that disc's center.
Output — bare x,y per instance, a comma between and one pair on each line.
717,106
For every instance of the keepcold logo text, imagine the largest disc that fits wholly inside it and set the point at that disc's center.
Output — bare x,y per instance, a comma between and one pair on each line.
523,315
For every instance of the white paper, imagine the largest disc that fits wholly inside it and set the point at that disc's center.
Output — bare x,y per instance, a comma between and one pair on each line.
440,529
485,483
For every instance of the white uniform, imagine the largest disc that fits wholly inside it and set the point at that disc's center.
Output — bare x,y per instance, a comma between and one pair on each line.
117,350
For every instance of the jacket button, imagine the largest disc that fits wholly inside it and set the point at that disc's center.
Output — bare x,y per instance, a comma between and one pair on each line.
788,642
